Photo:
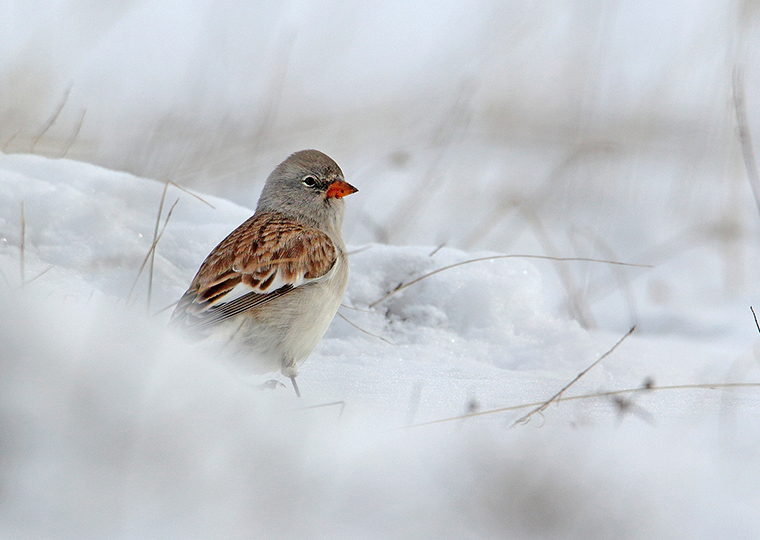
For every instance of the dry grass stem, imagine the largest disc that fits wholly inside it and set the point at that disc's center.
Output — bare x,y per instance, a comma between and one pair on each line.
204,201
579,307
22,246
166,308
436,250
52,119
511,201
9,141
450,131
274,94
596,395
357,309
363,330
73,138
621,282
151,250
745,138
494,257
45,271
359,250
542,407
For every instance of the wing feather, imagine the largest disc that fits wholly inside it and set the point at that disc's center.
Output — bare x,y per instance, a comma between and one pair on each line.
265,258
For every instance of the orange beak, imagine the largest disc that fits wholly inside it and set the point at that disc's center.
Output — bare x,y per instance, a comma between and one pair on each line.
339,189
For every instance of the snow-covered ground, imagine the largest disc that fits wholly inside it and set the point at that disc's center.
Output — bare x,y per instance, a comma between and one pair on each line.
112,428
596,130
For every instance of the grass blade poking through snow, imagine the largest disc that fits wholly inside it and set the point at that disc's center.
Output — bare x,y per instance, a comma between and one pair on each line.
360,329
157,236
151,250
558,395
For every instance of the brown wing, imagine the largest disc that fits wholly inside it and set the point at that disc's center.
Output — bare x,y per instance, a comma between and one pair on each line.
266,257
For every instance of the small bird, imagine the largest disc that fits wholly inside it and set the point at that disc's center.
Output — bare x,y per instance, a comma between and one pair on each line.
273,286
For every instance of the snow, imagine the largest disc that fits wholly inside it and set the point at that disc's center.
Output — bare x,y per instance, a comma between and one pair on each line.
115,428
595,130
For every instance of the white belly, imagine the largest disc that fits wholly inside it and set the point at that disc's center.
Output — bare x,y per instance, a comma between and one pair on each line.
284,332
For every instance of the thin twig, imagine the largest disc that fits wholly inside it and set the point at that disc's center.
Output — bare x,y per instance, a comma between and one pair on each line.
546,257
22,246
591,396
755,316
555,397
152,248
52,119
363,330
745,138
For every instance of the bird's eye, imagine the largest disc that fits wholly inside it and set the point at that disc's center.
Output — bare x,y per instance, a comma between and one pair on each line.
309,181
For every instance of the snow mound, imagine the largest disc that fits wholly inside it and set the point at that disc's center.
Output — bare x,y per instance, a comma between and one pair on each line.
493,305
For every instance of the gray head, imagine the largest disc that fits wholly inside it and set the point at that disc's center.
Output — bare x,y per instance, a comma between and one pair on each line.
308,186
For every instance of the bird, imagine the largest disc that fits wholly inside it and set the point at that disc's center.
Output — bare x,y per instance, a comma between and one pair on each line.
270,289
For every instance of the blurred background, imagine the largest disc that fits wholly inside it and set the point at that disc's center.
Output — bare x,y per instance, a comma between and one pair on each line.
584,128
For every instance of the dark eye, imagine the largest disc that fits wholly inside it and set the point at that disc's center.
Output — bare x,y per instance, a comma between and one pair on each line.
309,181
